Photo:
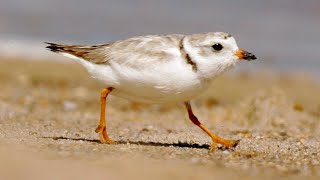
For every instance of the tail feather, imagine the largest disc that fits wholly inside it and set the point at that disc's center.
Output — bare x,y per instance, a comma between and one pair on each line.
55,47
95,54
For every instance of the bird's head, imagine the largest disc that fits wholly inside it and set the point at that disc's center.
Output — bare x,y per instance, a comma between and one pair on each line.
214,52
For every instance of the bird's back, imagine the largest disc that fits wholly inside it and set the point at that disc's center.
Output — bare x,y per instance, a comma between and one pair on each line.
135,52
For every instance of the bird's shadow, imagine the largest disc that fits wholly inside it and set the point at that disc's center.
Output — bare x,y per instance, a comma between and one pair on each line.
179,144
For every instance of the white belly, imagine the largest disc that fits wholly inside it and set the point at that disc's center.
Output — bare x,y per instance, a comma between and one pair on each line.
151,94
173,81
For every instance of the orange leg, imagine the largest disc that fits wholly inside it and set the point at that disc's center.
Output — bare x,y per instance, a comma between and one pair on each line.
101,129
216,139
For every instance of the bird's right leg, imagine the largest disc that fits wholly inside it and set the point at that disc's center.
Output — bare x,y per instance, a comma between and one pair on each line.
215,139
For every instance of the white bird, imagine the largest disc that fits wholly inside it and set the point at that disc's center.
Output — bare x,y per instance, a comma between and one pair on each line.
158,69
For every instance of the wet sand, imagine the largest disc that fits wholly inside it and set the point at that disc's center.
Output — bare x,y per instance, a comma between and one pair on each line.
49,110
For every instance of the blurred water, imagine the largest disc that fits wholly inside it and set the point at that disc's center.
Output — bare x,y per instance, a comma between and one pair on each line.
284,34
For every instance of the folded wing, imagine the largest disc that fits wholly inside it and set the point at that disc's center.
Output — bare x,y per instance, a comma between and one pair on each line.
134,52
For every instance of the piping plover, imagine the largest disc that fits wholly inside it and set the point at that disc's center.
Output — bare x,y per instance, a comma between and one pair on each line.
158,69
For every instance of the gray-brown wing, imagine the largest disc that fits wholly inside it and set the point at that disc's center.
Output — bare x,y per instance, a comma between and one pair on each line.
95,54
134,51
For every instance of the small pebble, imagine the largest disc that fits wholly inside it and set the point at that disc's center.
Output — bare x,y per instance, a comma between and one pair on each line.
225,152
69,105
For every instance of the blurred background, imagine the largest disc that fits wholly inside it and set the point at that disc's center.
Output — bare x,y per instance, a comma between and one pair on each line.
284,34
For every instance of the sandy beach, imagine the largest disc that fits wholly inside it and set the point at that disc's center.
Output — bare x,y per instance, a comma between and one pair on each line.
49,110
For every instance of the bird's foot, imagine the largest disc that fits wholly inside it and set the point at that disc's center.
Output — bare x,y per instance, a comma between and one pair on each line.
104,138
228,144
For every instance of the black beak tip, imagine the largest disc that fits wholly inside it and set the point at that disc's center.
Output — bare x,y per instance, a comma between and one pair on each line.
249,56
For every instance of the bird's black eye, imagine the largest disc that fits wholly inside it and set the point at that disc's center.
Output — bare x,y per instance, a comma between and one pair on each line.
217,46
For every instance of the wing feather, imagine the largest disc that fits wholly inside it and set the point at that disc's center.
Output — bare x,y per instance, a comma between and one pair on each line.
95,54
134,52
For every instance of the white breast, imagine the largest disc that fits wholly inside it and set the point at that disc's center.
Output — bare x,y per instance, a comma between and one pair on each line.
170,81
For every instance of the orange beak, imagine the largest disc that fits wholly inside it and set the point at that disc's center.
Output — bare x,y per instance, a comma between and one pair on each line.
242,54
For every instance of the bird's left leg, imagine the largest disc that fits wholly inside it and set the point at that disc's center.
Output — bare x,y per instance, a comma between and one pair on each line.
101,129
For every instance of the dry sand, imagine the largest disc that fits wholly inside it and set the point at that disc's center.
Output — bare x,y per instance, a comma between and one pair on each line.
49,110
